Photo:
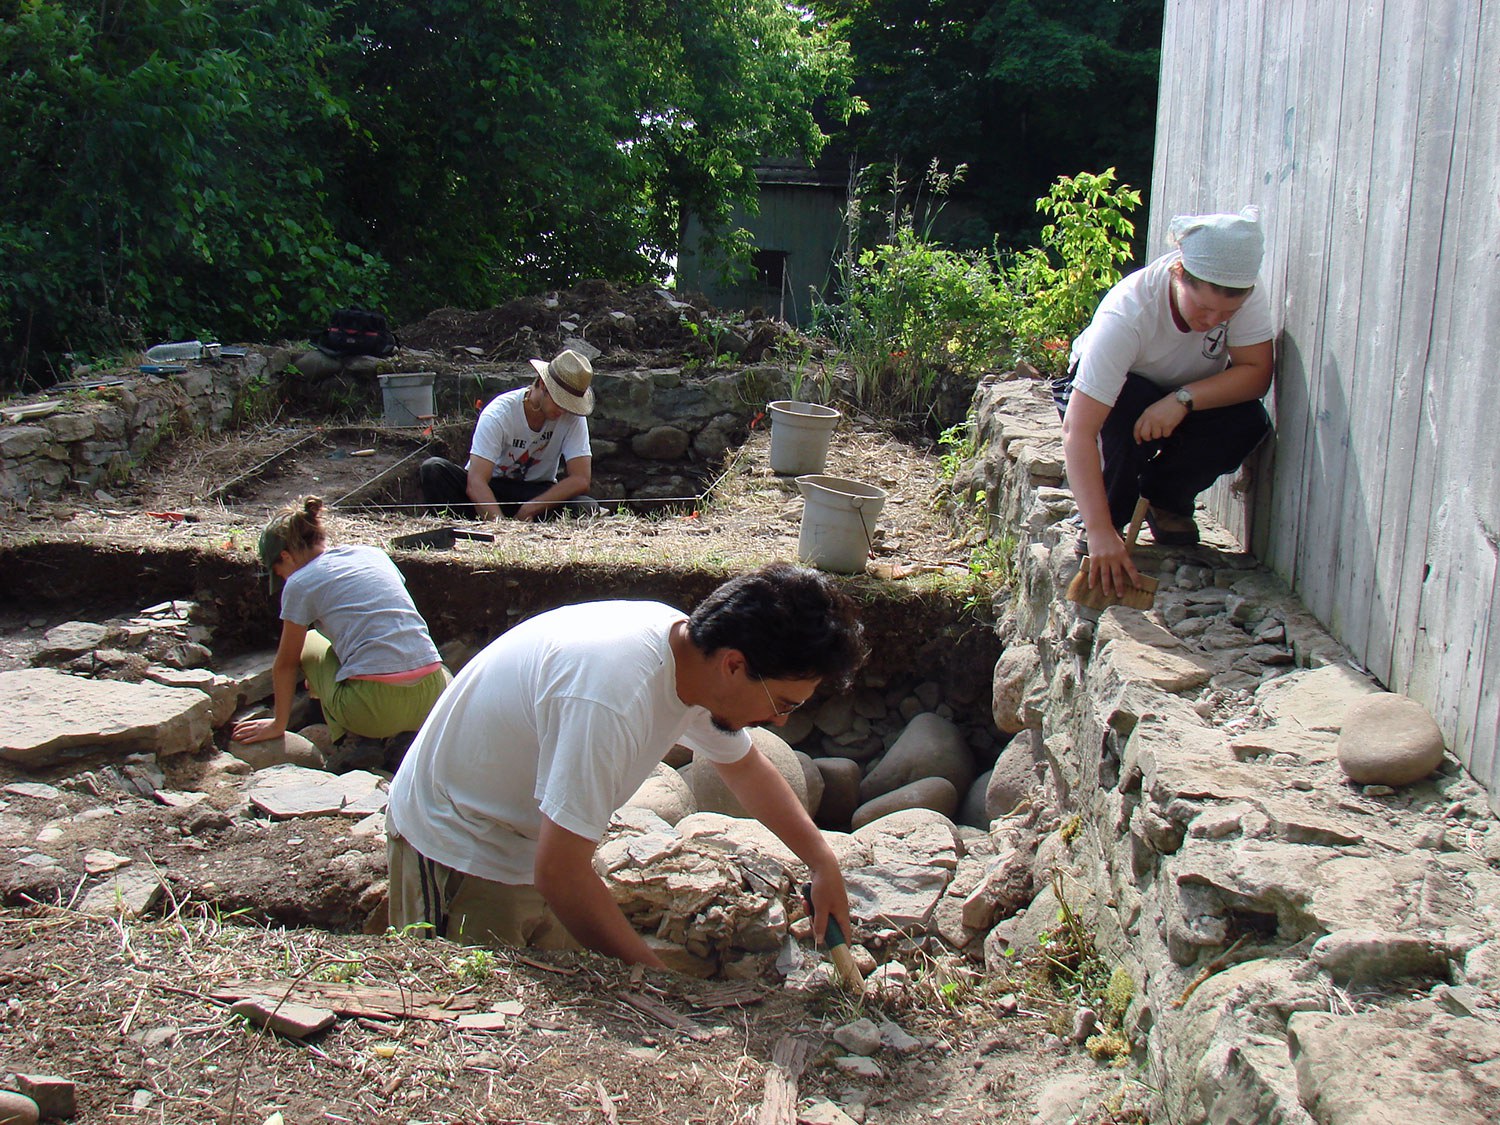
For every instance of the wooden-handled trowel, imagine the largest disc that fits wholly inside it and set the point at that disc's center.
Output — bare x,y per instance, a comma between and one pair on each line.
838,948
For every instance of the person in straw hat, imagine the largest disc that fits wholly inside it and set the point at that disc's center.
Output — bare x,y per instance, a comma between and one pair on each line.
521,440
1162,394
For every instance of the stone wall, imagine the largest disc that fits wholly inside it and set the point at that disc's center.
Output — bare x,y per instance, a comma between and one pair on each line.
656,432
92,435
1304,948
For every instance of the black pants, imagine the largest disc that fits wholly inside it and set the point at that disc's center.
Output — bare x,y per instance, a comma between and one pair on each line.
1169,473
446,487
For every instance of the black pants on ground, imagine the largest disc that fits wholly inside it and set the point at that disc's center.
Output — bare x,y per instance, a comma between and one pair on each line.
1168,473
446,487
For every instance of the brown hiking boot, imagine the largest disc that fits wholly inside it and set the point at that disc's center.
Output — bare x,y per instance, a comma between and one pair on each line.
1170,529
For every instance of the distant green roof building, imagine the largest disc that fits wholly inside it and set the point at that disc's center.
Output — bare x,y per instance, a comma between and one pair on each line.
796,235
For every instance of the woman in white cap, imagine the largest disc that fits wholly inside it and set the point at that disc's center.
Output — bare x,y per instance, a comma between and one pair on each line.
521,440
370,661
1162,395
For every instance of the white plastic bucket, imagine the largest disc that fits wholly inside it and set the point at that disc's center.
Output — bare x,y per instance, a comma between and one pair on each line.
407,398
799,437
838,522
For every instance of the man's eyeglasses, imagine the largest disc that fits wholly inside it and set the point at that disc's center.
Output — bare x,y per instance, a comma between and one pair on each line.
780,712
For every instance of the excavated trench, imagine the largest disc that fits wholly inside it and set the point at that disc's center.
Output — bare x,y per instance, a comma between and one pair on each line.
929,653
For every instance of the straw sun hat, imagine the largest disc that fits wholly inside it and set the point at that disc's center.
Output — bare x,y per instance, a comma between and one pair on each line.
567,380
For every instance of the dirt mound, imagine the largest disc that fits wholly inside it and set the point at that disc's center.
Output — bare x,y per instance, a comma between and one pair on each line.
645,324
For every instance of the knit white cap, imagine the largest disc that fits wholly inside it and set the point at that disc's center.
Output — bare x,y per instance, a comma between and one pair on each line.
1222,249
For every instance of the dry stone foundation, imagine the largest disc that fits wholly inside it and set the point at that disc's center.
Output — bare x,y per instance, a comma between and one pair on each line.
1306,891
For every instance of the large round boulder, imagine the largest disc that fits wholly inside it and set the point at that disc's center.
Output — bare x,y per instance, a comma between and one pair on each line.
1013,673
814,780
712,795
1389,739
935,793
1014,778
666,793
930,746
841,778
971,811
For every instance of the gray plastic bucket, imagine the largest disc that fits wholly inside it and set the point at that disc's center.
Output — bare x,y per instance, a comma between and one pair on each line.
407,398
799,437
838,522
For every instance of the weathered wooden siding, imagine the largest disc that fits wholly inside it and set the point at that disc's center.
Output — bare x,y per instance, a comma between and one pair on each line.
1367,135
804,222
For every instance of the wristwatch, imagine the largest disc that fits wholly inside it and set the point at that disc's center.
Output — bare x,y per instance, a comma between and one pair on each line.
1185,397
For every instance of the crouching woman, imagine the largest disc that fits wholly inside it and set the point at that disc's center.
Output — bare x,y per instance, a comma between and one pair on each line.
370,660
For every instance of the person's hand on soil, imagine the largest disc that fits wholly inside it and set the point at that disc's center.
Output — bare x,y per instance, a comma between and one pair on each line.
1109,564
1159,420
256,730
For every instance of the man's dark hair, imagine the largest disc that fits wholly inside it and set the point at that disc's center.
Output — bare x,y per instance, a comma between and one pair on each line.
790,622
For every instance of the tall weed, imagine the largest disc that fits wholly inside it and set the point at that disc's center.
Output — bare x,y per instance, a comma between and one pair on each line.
914,311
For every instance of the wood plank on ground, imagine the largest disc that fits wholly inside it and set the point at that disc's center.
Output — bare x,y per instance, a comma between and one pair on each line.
779,1104
370,1001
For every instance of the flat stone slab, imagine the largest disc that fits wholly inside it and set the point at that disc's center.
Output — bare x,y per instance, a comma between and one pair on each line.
126,894
1397,1067
899,895
37,789
283,792
286,1017
1319,889
49,714
1315,700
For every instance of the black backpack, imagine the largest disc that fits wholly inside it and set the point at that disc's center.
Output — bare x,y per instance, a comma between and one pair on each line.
356,332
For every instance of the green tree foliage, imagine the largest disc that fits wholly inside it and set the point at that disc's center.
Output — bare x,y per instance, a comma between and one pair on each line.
161,174
1021,91
535,142
1053,289
237,168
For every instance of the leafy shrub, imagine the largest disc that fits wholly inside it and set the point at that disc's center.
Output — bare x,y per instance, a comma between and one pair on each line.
914,311
1053,290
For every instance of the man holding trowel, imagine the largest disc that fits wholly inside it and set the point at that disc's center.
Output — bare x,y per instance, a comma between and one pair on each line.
502,799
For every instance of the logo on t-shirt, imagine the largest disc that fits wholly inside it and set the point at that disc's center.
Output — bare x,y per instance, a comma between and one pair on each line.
1214,341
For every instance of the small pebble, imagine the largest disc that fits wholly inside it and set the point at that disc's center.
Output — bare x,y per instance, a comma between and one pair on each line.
1085,1023
1432,838
1378,791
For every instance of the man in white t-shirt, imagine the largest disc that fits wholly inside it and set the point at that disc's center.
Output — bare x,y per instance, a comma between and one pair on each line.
502,798
1162,395
521,440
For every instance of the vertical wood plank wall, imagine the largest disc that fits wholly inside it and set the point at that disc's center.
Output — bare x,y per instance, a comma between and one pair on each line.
1369,136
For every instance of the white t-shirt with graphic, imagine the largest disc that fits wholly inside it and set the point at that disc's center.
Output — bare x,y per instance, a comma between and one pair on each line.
1133,330
518,452
564,716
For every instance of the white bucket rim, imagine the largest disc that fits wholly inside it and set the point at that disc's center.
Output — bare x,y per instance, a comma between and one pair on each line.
840,486
791,408
415,378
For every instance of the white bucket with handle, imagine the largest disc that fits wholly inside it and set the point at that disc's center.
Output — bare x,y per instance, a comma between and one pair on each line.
800,432
838,522
407,397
